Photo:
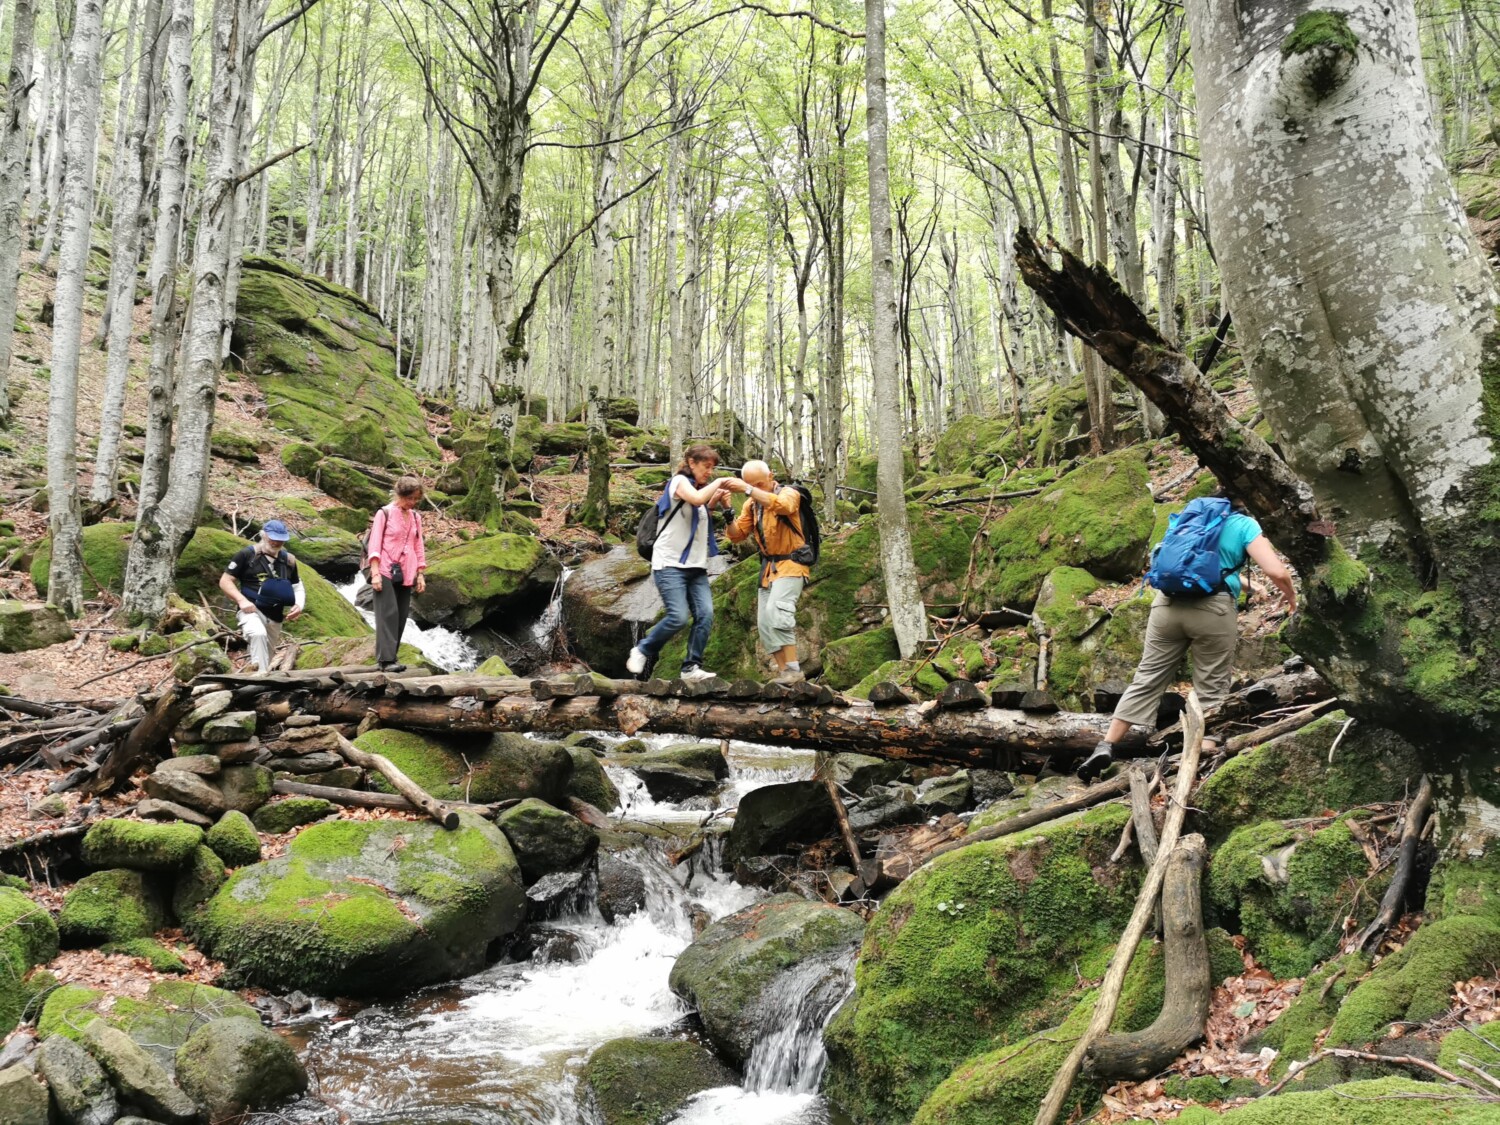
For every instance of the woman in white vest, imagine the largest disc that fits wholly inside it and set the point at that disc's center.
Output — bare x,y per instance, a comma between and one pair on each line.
679,562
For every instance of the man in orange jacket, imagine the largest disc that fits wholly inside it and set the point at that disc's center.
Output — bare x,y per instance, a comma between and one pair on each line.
771,515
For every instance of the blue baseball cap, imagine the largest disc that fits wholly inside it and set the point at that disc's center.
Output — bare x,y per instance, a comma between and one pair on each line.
275,529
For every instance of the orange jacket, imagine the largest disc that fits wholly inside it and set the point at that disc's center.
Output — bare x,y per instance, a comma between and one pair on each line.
778,536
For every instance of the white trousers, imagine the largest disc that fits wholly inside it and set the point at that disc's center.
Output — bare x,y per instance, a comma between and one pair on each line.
262,635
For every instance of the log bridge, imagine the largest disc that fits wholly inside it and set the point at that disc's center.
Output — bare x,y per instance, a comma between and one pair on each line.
1001,730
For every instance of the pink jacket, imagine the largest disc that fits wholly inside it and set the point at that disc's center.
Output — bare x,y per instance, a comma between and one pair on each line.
396,537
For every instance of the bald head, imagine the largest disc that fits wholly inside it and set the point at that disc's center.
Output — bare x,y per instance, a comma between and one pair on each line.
757,474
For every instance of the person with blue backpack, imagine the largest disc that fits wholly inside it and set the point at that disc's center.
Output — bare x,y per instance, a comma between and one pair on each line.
677,535
262,581
1195,572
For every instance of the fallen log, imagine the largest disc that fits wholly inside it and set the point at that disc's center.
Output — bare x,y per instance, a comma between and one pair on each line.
150,733
1184,1010
366,799
1411,836
440,811
1145,906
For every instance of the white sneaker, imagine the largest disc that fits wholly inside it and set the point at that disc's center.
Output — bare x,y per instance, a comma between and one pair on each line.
635,663
693,675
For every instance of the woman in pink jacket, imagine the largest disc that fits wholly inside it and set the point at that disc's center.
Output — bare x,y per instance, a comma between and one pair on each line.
398,556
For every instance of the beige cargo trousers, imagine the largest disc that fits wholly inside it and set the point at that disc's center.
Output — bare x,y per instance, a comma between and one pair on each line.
1206,627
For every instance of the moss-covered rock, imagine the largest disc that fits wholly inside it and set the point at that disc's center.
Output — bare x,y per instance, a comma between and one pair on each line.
229,1066
325,363
771,818
111,906
358,439
545,839
141,845
367,907
197,883
918,675
161,1022
493,666
646,1081
28,937
284,815
234,840
849,660
1097,518
1291,776
345,652
977,950
588,781
732,971
1480,1046
105,546
30,625
1381,1101
161,958
470,582
1291,889
331,551
235,446
1294,1034
501,768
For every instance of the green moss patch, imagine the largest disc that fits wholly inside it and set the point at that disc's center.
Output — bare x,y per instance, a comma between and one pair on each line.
112,905
482,770
1383,1101
646,1081
28,937
141,845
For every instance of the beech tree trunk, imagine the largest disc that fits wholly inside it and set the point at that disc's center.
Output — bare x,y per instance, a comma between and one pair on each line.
65,575
13,183
908,614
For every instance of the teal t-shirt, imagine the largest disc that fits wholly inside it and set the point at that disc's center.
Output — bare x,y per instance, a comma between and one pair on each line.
1239,532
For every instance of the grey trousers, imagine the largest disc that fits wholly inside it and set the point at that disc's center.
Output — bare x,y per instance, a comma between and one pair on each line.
776,612
392,604
262,635
1208,627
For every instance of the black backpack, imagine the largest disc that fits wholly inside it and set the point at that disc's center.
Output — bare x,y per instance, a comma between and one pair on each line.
651,525
812,535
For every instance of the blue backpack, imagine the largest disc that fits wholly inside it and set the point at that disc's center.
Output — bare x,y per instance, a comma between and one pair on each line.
1186,562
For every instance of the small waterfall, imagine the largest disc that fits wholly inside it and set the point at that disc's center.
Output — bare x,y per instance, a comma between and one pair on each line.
547,632
790,1058
450,651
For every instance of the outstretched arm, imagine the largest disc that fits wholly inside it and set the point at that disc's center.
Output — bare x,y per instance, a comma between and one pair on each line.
1265,557
698,497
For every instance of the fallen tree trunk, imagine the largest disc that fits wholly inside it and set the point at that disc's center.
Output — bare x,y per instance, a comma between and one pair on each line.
1395,894
419,797
1184,1011
367,799
149,734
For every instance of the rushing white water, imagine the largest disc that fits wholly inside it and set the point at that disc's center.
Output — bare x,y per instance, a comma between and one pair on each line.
450,651
505,1047
751,765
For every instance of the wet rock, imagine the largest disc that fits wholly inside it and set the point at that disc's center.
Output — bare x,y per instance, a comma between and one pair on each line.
550,945
23,1100
677,773
763,871
590,742
990,785
367,907
885,808
136,1075
622,888
739,969
553,894
112,905
772,818
545,839
647,1081
140,846
859,773
607,604
78,1084
234,840
589,782
229,1066
938,795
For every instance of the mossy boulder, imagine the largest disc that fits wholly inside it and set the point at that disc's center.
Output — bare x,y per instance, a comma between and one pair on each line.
345,652
562,439
326,364
1291,776
79,1087
229,1066
28,937
235,446
30,625
976,951
161,1021
234,840
607,604
588,781
499,574
348,483
367,907
501,768
1097,518
771,818
1480,1046
161,958
105,546
545,839
112,905
736,972
1380,1101
647,1081
141,845
284,815
493,666
1291,887
331,551
843,597
197,883
918,675
625,410
849,660
358,439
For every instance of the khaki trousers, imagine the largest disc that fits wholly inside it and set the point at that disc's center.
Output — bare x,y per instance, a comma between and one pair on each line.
1205,626
776,612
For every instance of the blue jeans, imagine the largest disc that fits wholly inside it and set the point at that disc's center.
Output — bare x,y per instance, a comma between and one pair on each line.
684,590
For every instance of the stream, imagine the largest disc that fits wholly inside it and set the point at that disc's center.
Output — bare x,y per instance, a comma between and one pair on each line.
505,1046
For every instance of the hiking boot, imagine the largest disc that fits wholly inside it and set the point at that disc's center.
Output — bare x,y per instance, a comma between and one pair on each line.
693,674
393,667
789,676
635,663
1096,763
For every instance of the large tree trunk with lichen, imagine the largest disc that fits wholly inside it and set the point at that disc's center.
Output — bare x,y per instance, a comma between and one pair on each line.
1366,313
